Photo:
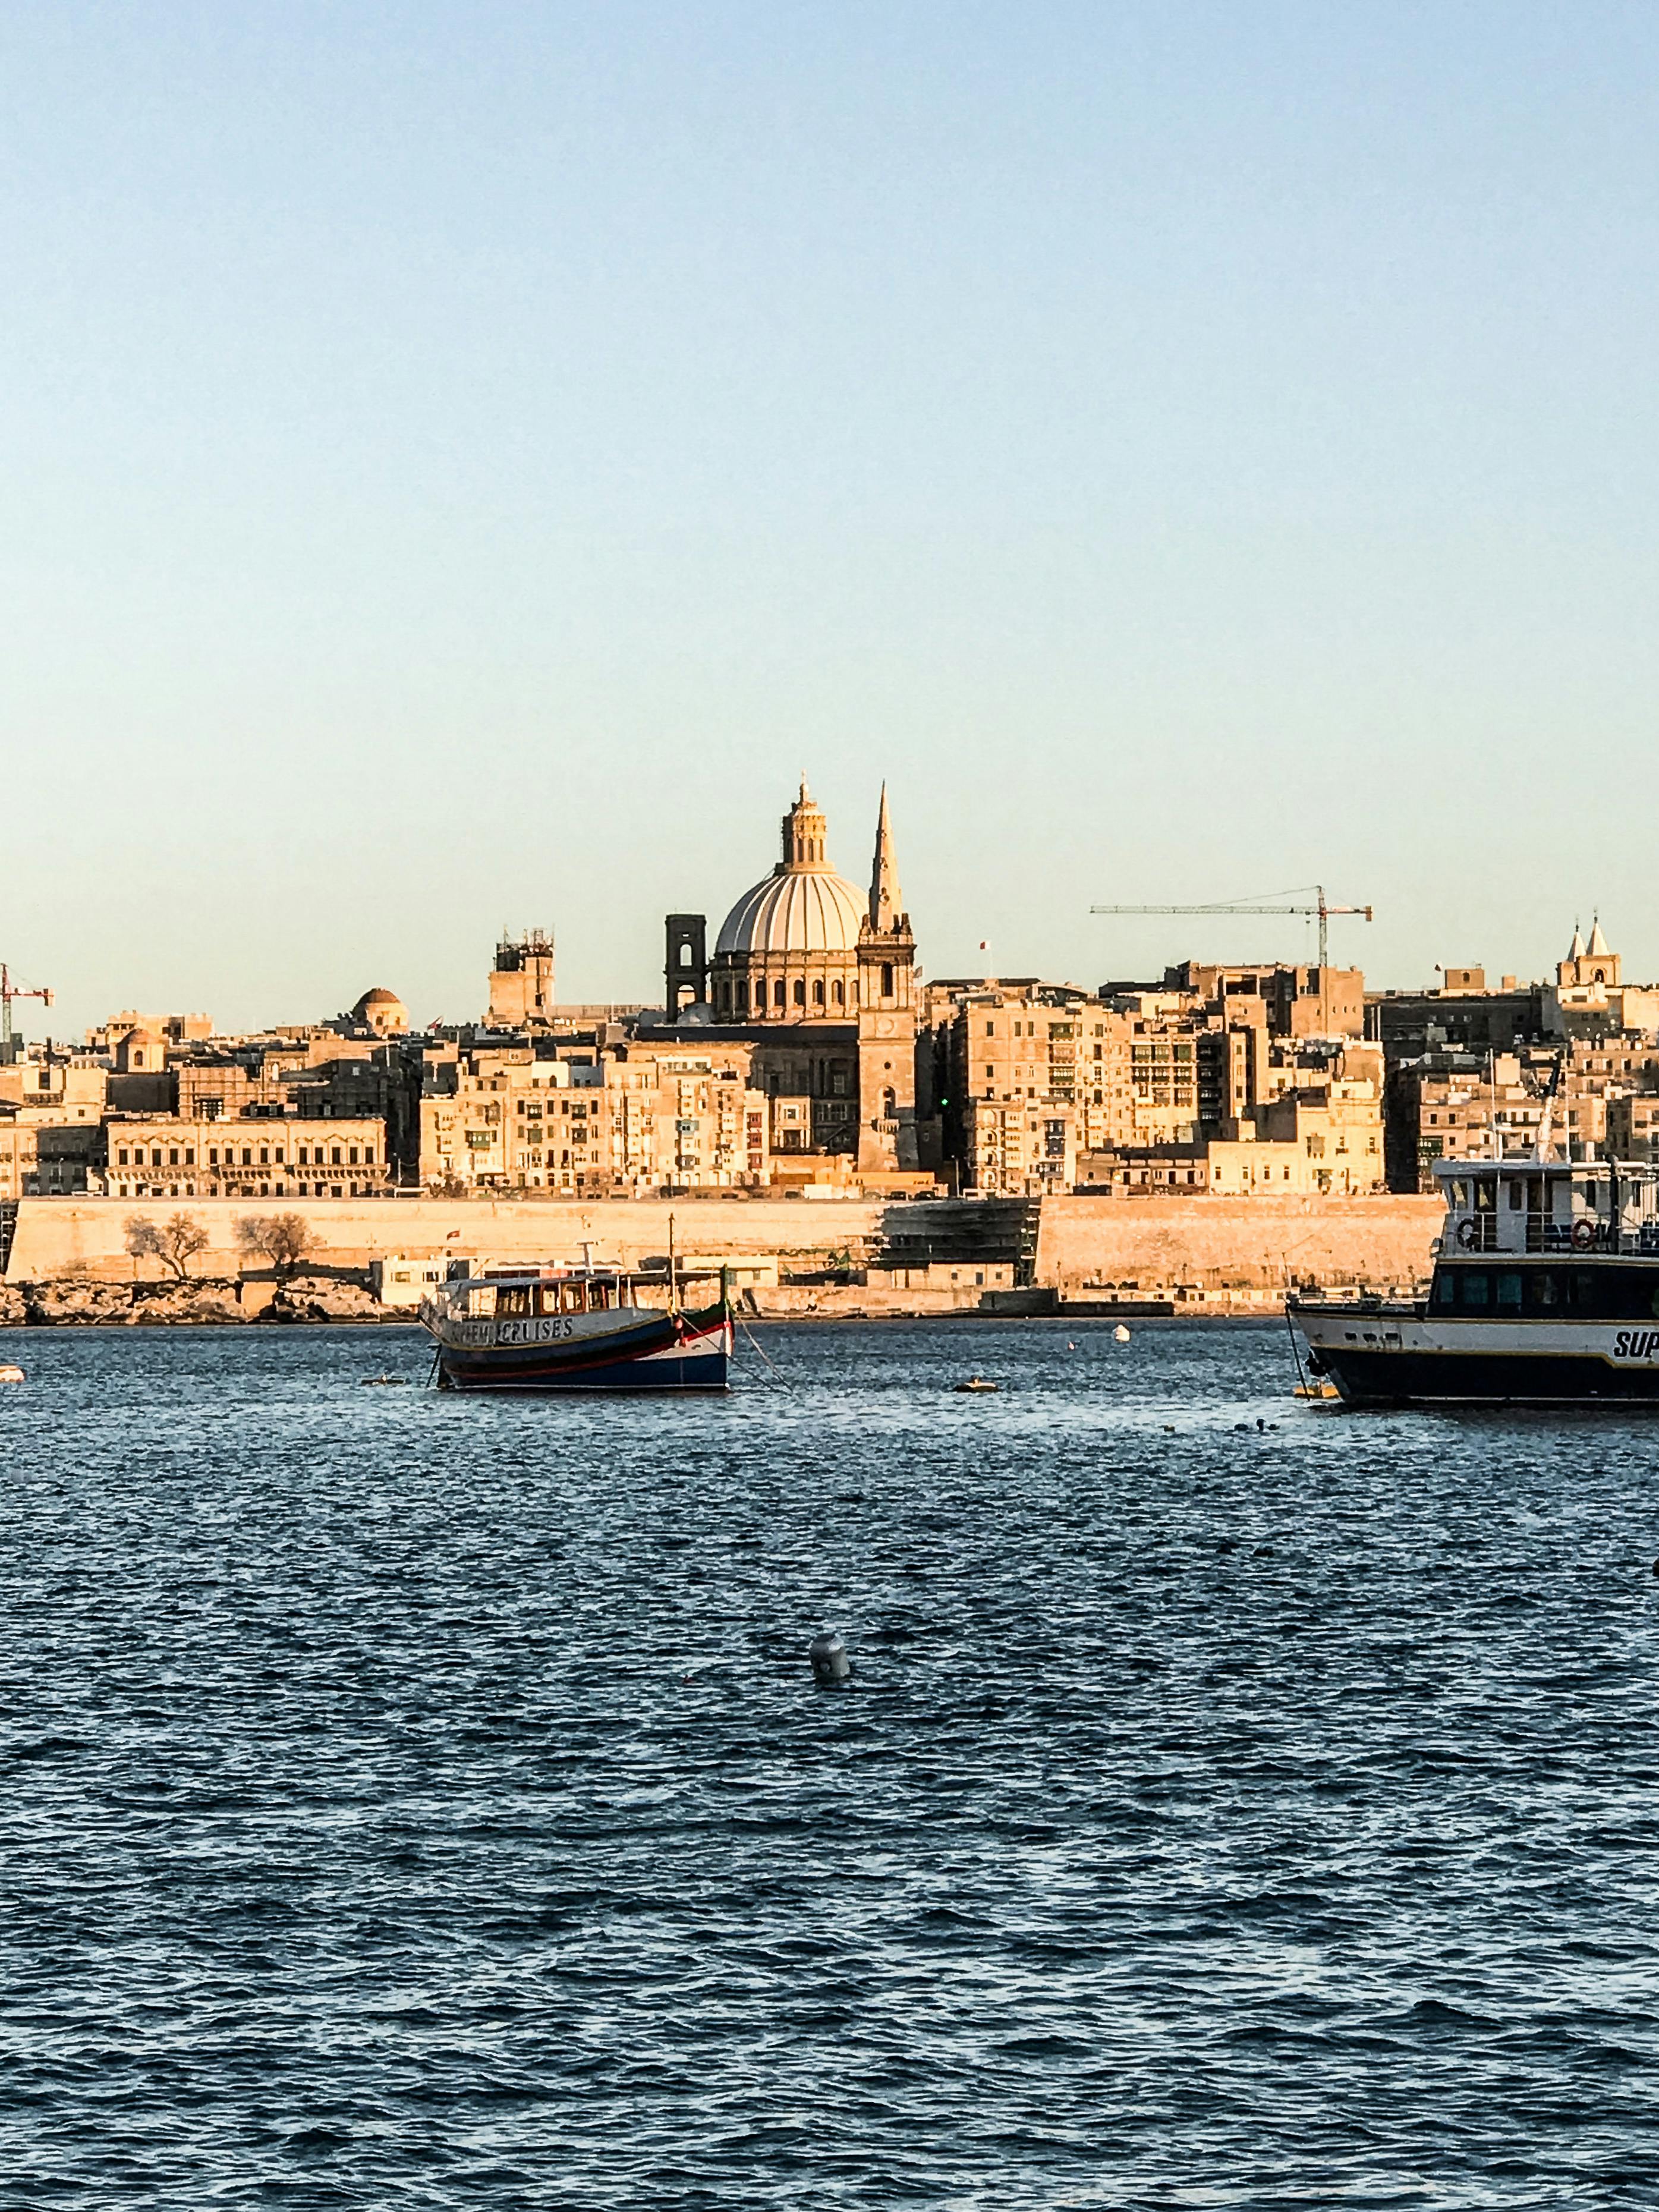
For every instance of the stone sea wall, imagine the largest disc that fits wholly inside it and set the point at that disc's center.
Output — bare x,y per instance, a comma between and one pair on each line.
1218,1249
1214,1245
87,1236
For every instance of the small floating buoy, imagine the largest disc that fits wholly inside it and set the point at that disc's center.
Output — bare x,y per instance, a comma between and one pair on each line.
830,1665
1070,1347
9,1374
977,1383
390,1381
1120,1335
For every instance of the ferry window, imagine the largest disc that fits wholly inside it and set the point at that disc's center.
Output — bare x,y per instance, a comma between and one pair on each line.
1460,1194
1518,1194
515,1299
572,1293
598,1297
1445,1290
547,1299
1486,1196
1544,1292
1477,1289
1509,1286
1583,1291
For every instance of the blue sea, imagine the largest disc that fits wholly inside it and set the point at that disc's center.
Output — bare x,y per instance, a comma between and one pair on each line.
417,1801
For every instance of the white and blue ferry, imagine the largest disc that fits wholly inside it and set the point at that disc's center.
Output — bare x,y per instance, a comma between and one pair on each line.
1545,1291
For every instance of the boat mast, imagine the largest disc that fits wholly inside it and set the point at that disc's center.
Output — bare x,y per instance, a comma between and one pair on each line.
673,1289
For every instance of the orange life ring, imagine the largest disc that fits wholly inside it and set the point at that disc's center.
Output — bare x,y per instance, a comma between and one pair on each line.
1584,1235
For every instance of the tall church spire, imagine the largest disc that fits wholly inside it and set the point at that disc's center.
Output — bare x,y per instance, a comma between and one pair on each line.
886,899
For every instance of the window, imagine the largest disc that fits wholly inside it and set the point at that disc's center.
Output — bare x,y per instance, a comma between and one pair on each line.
334,1156
840,994
777,992
121,1155
800,991
247,1156
887,978
817,993
351,1156
368,1152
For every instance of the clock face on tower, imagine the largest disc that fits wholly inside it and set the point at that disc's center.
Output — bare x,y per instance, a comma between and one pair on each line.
884,1025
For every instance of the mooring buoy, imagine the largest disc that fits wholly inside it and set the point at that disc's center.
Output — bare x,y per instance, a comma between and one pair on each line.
830,1665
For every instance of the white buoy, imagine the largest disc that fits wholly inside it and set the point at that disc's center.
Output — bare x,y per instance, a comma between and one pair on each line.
9,1374
830,1665
1120,1333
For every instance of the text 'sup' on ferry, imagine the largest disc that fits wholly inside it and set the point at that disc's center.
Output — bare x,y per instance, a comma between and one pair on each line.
1545,1291
574,1328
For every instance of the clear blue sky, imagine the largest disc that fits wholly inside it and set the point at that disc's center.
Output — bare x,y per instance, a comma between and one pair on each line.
463,462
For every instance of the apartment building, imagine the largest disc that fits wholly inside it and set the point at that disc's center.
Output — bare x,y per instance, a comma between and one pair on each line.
259,1156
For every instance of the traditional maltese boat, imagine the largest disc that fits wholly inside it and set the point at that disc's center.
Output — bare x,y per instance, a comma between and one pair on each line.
573,1328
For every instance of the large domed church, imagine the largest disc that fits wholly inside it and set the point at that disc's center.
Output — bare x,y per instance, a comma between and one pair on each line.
822,977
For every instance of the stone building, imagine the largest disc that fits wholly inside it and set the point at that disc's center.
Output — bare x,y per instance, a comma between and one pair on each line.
521,990
624,1120
822,981
168,1156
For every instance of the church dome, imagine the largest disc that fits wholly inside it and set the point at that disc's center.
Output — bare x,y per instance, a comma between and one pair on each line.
803,906
380,1010
808,911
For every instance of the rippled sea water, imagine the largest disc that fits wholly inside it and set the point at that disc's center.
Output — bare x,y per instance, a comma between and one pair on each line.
416,1800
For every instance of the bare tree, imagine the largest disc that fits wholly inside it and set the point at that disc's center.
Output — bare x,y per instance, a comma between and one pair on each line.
284,1239
174,1242
143,1239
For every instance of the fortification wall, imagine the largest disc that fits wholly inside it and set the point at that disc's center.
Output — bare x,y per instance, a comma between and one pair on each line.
1215,1243
1235,1243
87,1235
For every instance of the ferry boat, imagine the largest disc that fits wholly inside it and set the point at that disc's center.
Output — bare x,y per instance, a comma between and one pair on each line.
573,1328
1545,1292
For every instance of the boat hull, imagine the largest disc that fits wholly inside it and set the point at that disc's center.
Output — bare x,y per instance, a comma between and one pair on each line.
1400,1360
673,1353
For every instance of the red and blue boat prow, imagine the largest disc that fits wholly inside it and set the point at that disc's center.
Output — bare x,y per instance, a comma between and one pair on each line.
573,1328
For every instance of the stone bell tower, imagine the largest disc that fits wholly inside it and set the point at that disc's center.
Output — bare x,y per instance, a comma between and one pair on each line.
887,1018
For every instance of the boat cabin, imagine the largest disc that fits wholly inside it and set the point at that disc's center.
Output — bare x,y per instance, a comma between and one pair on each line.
504,1294
1549,1205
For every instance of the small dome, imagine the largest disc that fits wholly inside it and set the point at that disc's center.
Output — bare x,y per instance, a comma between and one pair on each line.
798,910
380,1010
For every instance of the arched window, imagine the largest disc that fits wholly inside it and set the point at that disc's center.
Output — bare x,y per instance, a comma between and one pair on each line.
888,1102
743,997
777,993
817,991
800,990
685,956
840,994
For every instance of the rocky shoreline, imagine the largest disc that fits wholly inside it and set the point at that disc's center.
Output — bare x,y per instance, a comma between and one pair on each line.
68,1303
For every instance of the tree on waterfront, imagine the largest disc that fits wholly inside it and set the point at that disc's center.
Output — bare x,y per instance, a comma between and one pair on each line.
284,1239
175,1241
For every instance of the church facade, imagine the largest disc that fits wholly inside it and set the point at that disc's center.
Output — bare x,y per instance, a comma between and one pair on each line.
820,979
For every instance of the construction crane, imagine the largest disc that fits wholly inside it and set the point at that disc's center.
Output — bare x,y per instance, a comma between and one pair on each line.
8,991
1321,906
